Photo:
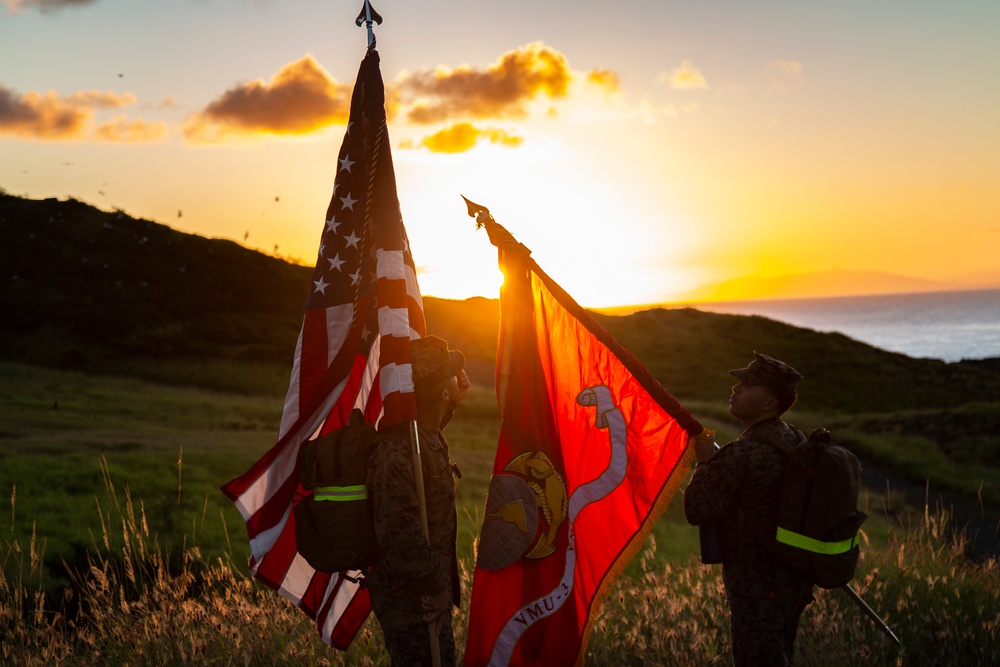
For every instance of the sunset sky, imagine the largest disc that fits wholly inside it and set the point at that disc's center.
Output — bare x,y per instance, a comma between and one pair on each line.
640,148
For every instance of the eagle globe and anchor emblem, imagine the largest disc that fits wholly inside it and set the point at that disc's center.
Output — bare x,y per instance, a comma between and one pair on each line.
512,528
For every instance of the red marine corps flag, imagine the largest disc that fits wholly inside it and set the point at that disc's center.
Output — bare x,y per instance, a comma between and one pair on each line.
591,450
363,308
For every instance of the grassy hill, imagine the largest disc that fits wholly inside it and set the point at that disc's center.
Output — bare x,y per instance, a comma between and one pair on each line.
95,291
103,292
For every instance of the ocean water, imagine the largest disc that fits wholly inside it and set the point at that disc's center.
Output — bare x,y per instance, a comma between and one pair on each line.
933,325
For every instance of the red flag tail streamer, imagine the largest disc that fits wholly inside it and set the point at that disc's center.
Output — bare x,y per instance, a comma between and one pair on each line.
363,308
591,450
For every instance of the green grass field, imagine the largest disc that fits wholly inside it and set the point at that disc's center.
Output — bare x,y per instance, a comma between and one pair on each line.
118,479
170,448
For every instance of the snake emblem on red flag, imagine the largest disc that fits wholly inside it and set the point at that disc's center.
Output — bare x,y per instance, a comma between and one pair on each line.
607,417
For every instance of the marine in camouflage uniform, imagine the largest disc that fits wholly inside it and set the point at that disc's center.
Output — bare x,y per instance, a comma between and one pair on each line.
412,579
738,489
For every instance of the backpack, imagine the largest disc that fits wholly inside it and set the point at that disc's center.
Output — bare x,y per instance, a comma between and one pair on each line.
818,517
334,526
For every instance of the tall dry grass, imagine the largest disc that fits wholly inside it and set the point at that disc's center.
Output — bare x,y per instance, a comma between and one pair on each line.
944,609
134,604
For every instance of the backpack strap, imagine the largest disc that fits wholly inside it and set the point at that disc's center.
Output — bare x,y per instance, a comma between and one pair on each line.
770,434
353,429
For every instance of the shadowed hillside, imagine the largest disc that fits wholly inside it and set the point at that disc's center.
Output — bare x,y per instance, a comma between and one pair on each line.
96,291
103,292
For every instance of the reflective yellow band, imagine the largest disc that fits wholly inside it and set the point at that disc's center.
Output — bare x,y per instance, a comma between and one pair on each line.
816,546
341,493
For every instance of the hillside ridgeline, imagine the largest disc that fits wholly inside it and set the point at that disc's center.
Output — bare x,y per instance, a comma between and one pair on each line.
103,292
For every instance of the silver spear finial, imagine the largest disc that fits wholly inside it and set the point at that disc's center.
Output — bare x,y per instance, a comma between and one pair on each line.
367,16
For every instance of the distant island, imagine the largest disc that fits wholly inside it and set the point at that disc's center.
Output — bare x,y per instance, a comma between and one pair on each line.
813,285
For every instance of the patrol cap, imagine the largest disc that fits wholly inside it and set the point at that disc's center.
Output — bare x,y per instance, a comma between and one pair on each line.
770,372
433,361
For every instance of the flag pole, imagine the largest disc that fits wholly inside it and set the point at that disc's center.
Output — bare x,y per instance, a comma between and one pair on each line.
882,625
418,486
367,16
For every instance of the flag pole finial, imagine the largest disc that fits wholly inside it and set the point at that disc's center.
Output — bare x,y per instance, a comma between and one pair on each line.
477,211
367,16
499,236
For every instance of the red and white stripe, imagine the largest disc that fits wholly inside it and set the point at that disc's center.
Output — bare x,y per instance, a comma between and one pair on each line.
335,369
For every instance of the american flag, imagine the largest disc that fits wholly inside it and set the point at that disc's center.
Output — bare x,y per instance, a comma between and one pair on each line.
363,309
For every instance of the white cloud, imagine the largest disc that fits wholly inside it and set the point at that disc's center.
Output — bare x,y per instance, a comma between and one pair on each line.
684,77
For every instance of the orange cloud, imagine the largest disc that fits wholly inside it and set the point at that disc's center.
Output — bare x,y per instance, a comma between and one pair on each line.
35,116
300,99
463,136
51,117
685,77
101,100
500,91
13,6
121,130
604,78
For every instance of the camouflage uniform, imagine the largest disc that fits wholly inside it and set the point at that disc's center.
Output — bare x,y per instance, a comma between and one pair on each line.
407,568
739,491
